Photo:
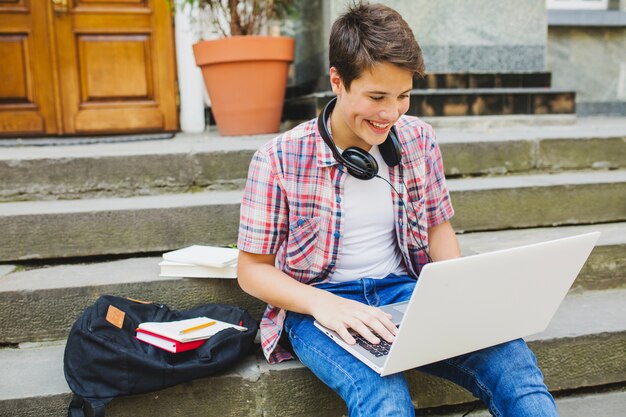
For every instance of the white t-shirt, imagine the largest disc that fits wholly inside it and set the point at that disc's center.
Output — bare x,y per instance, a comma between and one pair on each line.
369,244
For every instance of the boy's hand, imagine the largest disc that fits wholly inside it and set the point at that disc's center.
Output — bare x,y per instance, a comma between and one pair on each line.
340,314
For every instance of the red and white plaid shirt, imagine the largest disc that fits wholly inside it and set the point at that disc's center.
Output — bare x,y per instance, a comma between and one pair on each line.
292,207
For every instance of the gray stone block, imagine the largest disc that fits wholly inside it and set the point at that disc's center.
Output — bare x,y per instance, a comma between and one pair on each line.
606,404
6,269
490,58
61,229
479,158
475,35
116,226
585,358
538,200
193,163
591,61
121,175
563,154
41,304
222,167
609,108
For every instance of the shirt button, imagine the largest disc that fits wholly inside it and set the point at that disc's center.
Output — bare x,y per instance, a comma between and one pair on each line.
413,223
338,199
300,222
401,203
337,234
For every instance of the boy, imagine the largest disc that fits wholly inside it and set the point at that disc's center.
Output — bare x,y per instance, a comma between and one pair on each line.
320,242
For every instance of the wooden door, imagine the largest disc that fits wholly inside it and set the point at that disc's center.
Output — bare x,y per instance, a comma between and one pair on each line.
27,84
111,66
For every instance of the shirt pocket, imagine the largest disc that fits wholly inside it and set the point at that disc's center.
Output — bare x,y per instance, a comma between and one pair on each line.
302,242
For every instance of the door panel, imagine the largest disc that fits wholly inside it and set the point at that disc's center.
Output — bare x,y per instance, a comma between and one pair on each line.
16,78
15,6
108,4
119,67
27,87
103,79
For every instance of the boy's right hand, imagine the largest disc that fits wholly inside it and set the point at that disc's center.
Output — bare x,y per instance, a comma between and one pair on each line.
341,314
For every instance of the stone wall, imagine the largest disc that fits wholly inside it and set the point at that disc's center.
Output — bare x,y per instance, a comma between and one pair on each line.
456,36
477,35
592,62
591,59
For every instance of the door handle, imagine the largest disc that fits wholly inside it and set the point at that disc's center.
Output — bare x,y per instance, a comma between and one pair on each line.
60,5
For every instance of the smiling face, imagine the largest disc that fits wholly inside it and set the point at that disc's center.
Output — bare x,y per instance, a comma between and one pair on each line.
365,112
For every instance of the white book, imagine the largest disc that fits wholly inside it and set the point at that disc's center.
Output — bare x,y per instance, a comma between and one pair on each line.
213,256
177,269
188,330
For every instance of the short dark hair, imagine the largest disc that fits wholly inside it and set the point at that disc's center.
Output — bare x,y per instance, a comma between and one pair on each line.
368,34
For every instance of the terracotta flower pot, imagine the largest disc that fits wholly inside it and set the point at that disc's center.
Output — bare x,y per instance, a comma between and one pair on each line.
246,78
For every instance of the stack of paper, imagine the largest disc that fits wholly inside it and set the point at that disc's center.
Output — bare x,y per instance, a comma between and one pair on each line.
182,335
199,261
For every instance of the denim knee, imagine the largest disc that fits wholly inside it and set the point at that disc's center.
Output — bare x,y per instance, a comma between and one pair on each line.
506,377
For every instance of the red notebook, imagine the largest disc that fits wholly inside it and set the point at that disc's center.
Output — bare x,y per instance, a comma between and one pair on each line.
165,343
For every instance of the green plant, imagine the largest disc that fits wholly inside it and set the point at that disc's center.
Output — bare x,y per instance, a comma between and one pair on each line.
242,17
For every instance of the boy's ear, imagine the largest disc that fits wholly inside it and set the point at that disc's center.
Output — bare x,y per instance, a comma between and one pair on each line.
335,81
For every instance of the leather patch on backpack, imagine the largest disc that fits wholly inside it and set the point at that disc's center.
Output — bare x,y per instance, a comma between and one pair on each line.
115,316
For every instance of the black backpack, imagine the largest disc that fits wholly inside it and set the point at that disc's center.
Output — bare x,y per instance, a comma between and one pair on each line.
103,361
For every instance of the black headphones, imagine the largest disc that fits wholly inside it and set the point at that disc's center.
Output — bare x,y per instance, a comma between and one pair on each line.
359,163
362,165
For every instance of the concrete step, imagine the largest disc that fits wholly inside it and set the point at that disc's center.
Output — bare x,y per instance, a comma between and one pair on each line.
72,228
187,162
477,153
611,404
605,404
211,162
583,347
444,80
89,227
458,102
41,304
481,80
511,202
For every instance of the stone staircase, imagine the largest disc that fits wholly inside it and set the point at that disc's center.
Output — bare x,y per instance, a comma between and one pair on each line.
80,221
443,95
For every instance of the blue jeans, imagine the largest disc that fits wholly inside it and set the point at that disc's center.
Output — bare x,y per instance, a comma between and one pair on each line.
505,377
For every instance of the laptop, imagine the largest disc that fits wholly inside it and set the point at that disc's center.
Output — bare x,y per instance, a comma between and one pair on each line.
470,303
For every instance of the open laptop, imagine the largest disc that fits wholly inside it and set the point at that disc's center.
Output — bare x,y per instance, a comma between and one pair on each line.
470,303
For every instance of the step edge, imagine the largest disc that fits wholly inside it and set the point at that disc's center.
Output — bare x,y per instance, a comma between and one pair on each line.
251,369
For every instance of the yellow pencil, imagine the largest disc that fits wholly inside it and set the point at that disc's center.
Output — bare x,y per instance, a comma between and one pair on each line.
198,327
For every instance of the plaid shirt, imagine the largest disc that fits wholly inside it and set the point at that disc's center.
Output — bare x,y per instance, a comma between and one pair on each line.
292,207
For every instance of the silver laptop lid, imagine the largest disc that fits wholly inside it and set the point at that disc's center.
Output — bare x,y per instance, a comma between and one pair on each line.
465,304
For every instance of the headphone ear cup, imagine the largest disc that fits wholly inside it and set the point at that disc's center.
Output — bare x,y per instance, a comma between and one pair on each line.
391,149
360,164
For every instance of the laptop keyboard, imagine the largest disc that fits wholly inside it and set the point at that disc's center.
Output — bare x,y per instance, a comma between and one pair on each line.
378,350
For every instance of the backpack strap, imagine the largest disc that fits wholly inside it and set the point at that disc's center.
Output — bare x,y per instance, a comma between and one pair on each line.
78,404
